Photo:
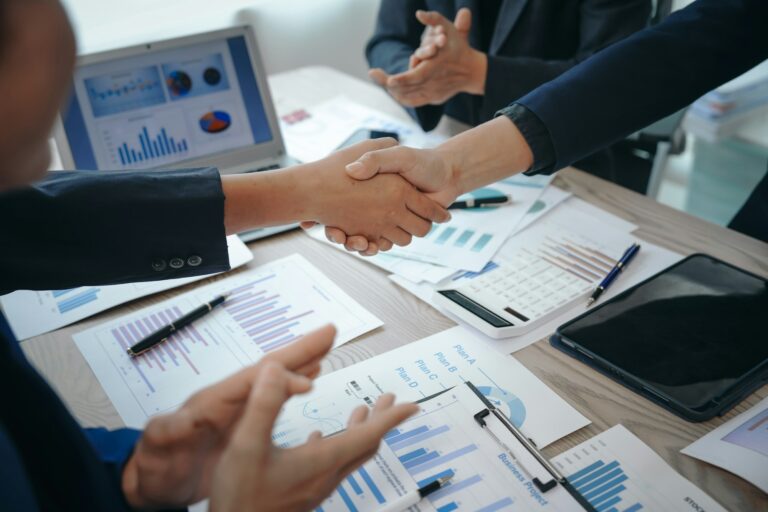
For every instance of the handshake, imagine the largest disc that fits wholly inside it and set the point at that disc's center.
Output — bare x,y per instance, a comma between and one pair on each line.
385,195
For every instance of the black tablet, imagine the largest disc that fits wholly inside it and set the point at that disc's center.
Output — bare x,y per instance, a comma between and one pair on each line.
692,338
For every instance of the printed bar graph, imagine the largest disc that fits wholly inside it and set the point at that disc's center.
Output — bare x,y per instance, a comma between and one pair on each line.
601,485
448,507
58,293
415,436
481,242
71,302
463,238
149,147
493,507
445,235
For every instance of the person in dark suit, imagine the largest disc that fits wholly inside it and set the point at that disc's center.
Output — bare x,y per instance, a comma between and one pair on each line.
496,51
641,79
78,228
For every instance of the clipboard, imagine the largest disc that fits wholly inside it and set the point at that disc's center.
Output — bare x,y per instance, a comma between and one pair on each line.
518,447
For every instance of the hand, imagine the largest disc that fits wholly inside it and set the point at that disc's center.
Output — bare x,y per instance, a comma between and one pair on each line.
254,474
443,66
174,460
385,208
428,169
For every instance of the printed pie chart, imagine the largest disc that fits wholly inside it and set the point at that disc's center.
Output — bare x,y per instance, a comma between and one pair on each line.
215,122
179,83
508,403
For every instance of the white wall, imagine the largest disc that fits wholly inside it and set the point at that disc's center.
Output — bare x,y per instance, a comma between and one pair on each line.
291,33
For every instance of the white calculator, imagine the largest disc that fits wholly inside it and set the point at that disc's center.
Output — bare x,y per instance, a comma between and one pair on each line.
526,289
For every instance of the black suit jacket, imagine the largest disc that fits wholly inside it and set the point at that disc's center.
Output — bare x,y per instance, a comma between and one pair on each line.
79,228
650,75
533,42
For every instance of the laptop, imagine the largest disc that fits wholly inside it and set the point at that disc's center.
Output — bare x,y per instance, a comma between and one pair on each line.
193,101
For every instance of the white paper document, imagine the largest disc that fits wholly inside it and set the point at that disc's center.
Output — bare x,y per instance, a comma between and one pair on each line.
32,313
617,471
422,369
416,271
444,440
739,446
268,307
315,132
473,236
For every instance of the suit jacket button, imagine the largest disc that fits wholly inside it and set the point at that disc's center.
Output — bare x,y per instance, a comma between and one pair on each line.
194,260
176,263
159,265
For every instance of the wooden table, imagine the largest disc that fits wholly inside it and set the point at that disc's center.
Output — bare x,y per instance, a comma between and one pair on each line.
407,319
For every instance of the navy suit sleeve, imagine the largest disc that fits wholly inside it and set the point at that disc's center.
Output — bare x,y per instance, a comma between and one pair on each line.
397,36
601,23
649,75
84,228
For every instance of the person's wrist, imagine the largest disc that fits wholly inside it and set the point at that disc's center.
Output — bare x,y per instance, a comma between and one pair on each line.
309,188
452,162
478,70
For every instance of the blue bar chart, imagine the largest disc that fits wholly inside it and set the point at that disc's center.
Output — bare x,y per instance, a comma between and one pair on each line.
148,147
74,298
602,484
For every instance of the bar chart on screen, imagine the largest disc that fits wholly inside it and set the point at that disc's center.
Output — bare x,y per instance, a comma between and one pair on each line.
615,471
266,309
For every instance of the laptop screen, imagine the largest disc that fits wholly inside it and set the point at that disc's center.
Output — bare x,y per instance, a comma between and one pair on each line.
165,106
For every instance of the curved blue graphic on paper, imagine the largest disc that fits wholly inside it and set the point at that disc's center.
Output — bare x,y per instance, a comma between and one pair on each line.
513,407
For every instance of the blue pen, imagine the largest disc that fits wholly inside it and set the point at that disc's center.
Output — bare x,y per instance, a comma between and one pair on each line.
615,271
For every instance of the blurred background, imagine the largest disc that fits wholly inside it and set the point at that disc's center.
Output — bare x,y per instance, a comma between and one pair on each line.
707,159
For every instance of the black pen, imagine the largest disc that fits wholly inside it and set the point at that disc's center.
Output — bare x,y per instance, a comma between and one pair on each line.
162,334
481,202
615,271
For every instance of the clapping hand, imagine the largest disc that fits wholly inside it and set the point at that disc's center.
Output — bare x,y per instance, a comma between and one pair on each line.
218,443
443,66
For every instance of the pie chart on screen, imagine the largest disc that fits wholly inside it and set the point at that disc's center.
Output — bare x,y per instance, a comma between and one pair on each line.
215,122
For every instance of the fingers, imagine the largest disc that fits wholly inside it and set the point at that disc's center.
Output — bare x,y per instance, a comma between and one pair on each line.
427,209
425,52
432,19
415,225
463,21
398,236
379,76
356,243
307,224
384,244
273,387
310,348
359,415
335,235
362,439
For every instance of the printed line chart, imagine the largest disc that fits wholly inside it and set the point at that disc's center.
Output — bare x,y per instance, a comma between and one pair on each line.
266,309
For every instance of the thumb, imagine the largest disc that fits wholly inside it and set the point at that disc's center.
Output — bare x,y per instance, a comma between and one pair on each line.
390,160
273,387
463,21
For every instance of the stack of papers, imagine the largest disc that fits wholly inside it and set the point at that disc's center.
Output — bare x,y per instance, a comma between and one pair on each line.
475,241
723,111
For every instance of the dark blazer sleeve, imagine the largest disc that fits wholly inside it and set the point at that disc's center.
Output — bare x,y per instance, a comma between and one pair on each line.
601,23
649,75
396,37
86,228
